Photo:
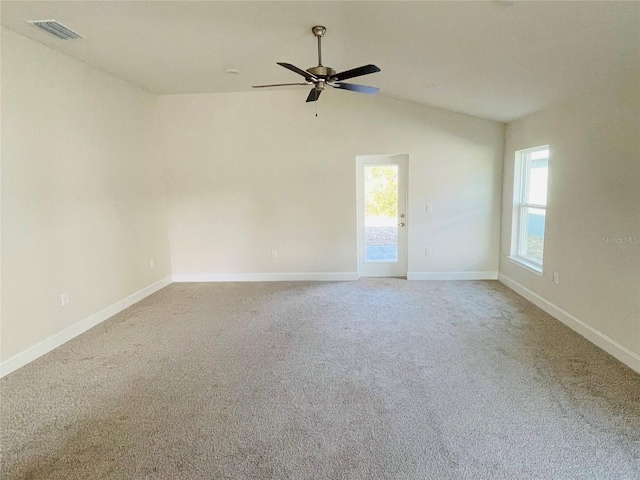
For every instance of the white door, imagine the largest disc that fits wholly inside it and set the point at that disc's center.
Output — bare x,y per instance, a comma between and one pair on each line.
382,215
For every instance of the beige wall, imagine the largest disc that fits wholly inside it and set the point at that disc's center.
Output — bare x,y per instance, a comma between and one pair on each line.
253,172
594,192
82,192
84,208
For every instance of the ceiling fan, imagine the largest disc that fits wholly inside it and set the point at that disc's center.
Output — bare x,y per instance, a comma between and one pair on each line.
322,76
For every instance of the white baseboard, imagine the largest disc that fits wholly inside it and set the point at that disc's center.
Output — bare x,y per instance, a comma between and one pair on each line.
29,355
265,277
452,275
596,337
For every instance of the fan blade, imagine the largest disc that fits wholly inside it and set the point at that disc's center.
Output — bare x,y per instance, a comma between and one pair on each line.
314,95
280,85
355,72
299,71
356,88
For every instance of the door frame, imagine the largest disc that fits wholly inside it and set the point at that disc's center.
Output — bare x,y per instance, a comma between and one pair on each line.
402,160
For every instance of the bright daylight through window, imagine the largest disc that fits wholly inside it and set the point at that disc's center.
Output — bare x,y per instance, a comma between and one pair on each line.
530,206
381,213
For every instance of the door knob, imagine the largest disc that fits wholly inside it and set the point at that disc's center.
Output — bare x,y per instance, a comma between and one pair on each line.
401,224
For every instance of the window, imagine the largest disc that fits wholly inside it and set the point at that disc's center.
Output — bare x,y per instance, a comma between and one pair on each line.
530,206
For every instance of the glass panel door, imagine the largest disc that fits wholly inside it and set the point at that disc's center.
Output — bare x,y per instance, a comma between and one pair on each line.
382,221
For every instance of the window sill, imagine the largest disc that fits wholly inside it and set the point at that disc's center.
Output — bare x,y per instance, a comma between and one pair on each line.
532,267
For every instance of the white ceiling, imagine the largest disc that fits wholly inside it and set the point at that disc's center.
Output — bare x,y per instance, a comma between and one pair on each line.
496,60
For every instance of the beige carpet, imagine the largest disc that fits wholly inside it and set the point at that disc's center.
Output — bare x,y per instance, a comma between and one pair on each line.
376,379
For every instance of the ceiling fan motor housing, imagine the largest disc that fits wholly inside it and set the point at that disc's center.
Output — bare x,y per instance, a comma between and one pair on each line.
320,71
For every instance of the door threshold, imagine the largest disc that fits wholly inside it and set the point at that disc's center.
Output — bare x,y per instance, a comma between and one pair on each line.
403,277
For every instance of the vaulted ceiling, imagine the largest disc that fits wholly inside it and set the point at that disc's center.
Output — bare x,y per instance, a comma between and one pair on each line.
499,60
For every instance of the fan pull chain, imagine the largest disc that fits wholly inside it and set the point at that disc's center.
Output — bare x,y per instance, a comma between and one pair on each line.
316,102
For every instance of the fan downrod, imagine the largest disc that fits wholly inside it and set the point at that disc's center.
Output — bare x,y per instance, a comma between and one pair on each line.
320,71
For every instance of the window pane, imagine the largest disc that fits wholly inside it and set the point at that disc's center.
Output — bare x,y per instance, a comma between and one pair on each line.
537,188
532,240
381,213
540,154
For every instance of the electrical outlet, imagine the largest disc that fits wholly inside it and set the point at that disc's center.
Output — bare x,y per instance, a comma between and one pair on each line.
556,278
65,299
274,254
428,251
152,263
429,208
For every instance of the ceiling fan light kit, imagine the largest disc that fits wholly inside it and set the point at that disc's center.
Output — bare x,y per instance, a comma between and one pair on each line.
321,76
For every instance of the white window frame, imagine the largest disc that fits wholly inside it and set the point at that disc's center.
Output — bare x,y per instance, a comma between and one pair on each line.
520,210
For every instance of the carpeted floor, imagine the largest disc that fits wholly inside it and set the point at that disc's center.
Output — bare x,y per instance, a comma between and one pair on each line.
376,379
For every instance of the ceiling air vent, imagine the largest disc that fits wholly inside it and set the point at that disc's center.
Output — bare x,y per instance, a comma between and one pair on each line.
55,28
